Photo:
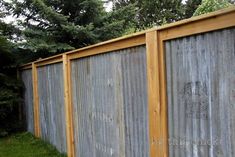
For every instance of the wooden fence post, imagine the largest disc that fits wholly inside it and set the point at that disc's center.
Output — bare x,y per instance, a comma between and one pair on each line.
158,142
163,96
36,101
68,106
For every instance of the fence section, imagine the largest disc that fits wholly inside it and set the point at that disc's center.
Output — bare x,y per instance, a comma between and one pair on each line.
140,95
110,104
51,105
200,82
26,76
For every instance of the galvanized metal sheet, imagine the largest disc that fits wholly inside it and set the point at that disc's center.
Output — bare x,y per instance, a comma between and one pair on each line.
110,110
51,104
200,89
26,76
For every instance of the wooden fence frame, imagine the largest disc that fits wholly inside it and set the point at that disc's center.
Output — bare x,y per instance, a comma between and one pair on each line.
156,71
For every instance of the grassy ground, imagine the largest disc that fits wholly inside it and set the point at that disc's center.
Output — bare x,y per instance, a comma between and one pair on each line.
25,145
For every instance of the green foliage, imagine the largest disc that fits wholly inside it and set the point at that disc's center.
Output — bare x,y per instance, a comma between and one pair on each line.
211,5
25,145
59,26
8,86
191,6
151,13
7,30
9,89
159,12
117,22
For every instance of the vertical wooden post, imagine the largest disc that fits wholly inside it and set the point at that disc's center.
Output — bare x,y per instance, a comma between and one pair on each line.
68,106
163,96
158,141
36,101
153,92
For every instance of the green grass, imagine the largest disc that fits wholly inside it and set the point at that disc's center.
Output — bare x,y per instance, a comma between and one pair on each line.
25,145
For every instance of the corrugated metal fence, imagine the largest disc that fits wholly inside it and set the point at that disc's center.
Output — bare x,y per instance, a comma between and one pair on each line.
28,99
164,92
200,81
110,109
51,105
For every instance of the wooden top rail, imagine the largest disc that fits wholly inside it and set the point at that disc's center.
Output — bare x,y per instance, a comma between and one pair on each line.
216,20
26,66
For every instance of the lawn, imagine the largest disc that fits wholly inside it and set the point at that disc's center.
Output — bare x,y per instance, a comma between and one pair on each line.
25,145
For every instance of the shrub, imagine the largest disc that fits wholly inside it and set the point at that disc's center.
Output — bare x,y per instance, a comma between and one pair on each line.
9,90
210,6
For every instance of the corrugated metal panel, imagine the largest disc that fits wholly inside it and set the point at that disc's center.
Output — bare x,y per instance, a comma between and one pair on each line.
51,103
26,76
134,78
201,94
110,104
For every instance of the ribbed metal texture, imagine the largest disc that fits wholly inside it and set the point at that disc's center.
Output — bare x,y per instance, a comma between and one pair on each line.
26,76
201,94
110,110
51,104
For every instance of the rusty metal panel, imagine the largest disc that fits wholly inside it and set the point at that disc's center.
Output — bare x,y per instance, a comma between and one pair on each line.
110,109
201,94
51,104
26,76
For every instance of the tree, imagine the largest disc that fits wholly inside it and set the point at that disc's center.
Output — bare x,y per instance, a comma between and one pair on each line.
57,26
9,89
154,12
7,30
157,12
191,6
211,5
10,86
